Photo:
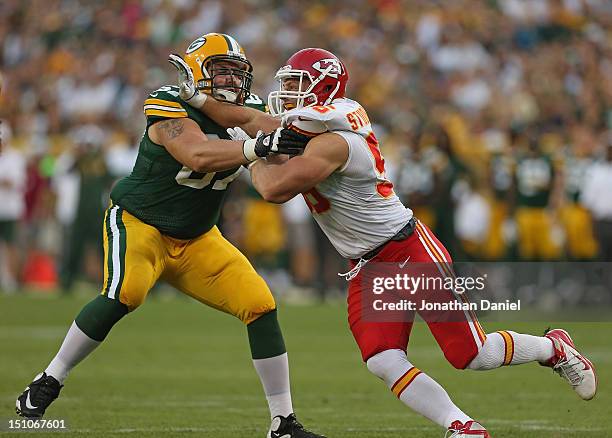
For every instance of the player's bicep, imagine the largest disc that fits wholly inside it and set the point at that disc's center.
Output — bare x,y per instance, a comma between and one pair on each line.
332,148
182,138
324,154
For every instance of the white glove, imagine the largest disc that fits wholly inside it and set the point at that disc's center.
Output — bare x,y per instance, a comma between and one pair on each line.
238,134
186,83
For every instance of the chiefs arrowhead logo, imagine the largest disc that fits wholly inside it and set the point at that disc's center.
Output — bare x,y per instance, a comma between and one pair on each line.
324,64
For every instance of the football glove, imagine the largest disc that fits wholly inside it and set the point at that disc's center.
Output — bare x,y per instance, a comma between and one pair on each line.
238,134
187,87
279,141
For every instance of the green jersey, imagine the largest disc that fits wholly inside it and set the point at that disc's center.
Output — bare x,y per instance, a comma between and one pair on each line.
500,174
164,193
575,169
534,180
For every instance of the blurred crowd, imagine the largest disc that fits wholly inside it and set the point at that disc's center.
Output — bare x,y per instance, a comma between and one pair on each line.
495,119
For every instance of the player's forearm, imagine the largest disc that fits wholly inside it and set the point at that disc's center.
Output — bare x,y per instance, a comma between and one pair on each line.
277,183
218,155
260,122
249,119
186,142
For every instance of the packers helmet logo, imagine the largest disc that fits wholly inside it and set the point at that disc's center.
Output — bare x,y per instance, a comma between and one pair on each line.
330,65
196,45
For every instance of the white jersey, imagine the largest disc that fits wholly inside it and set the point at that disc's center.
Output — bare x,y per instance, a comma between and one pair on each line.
355,206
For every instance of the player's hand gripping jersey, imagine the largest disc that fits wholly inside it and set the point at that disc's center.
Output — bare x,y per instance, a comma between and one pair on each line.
355,206
161,191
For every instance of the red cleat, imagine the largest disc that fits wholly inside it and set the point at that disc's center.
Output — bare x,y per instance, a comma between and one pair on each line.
571,365
470,429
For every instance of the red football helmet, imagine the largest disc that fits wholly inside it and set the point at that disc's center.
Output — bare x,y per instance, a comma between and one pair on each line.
320,78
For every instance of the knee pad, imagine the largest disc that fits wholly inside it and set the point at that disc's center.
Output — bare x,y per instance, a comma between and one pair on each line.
388,365
491,355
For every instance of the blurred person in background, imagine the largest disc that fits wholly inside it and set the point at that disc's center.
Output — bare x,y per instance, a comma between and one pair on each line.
416,179
472,217
40,247
499,171
574,216
83,251
536,179
303,256
264,235
449,169
597,197
12,207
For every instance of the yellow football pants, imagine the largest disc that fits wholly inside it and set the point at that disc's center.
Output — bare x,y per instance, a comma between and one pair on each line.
535,234
578,225
494,247
263,228
207,268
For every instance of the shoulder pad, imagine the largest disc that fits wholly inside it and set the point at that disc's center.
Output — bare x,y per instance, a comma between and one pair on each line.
164,103
338,116
316,112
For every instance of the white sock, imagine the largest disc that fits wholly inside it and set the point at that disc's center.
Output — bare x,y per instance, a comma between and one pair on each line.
414,388
76,346
511,348
274,375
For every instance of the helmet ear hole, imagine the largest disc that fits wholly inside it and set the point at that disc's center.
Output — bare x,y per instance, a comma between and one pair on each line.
328,88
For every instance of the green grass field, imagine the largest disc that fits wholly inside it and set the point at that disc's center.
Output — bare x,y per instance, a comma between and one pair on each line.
177,368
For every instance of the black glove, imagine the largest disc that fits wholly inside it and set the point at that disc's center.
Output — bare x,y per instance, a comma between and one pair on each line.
292,142
279,141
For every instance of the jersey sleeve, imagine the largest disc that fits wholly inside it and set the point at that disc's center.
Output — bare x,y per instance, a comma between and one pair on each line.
319,113
164,103
339,116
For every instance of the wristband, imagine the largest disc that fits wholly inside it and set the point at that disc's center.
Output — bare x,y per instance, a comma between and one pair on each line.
198,100
248,149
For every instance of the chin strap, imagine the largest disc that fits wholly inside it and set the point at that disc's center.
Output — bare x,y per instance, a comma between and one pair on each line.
333,93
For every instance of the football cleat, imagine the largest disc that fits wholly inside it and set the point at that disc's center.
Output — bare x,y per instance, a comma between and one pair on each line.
571,365
468,430
289,427
37,397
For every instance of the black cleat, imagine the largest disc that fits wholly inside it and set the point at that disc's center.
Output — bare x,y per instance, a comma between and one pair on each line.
289,427
37,397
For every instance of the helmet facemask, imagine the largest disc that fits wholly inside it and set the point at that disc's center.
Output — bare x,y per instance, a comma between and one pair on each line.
283,100
237,89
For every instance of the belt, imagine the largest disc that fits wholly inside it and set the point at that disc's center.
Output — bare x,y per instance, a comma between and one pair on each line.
402,234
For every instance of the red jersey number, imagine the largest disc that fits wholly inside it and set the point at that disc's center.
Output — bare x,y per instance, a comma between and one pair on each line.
385,187
317,203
